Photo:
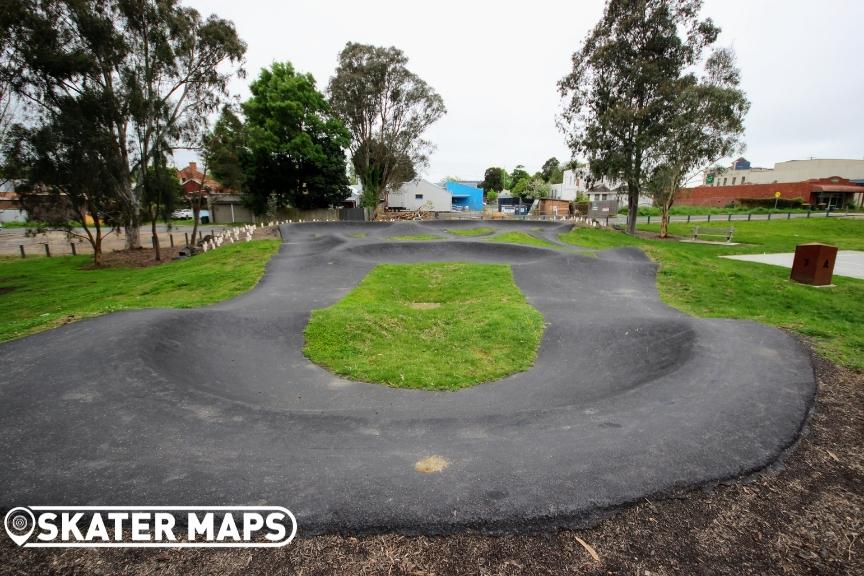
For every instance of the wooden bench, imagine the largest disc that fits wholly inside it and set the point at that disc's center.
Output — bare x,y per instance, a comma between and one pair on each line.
725,233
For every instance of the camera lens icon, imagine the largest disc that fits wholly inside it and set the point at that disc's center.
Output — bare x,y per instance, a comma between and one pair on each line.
19,524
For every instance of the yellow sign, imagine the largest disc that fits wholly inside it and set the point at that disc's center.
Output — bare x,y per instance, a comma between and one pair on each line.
777,194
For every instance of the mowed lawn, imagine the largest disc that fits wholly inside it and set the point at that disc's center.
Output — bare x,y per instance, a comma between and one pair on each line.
521,238
694,279
40,293
434,326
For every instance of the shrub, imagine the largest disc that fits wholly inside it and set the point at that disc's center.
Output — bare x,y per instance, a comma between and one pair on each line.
770,202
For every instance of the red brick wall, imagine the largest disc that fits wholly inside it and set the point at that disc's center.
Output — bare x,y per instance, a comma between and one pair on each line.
723,195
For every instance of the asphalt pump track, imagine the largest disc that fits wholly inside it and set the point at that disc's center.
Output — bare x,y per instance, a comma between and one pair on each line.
628,398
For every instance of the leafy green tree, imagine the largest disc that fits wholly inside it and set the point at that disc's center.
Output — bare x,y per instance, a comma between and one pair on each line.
7,115
162,193
226,151
623,88
551,171
707,125
295,143
155,66
519,174
494,180
386,108
531,189
63,173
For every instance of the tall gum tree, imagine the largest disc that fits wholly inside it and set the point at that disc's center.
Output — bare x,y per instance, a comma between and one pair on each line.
387,108
624,87
706,124
157,66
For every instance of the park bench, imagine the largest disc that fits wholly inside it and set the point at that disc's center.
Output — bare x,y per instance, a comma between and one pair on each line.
726,233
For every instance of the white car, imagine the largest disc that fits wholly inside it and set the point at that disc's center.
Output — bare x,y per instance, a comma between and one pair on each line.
183,214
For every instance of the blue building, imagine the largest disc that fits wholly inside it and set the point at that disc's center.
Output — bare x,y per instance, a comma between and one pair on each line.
465,197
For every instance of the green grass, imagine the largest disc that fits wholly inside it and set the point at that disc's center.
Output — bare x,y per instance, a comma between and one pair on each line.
482,231
694,279
522,238
359,234
413,237
48,292
436,326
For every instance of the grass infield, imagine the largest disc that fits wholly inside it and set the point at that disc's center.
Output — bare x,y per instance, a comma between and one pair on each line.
435,326
482,231
522,238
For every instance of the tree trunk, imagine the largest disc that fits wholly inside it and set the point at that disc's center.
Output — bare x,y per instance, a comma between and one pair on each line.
133,234
196,211
97,250
632,207
133,223
155,239
95,241
668,200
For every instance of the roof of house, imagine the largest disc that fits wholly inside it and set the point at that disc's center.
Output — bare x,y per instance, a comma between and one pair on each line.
191,173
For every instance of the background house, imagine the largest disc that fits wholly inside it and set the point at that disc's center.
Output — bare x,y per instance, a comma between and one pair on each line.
579,182
420,194
10,206
191,178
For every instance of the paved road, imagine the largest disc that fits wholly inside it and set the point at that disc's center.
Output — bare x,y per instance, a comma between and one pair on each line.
218,406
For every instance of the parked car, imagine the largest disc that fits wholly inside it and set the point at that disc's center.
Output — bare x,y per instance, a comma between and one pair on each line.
183,214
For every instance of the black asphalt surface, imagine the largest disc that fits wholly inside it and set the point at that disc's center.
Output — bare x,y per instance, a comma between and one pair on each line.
218,406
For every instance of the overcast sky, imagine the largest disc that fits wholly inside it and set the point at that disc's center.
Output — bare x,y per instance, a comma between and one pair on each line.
496,65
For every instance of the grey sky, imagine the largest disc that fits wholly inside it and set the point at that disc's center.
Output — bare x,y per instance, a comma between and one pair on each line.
496,65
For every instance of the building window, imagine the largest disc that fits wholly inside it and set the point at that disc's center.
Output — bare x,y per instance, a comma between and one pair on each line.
742,179
724,181
418,196
733,180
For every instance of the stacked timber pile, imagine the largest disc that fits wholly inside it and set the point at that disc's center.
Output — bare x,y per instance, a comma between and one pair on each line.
406,215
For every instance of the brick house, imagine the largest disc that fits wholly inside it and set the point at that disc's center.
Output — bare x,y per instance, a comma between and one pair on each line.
833,192
190,180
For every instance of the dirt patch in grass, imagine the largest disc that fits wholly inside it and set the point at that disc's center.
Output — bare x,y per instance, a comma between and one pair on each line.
141,258
804,518
6,289
424,305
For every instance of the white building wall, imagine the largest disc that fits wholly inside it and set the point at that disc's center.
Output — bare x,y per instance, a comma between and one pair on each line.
420,194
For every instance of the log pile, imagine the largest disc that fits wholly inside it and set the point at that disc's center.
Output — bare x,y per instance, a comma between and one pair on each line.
406,215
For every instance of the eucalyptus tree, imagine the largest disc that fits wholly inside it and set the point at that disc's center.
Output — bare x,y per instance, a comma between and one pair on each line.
706,124
623,91
156,66
63,173
387,108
